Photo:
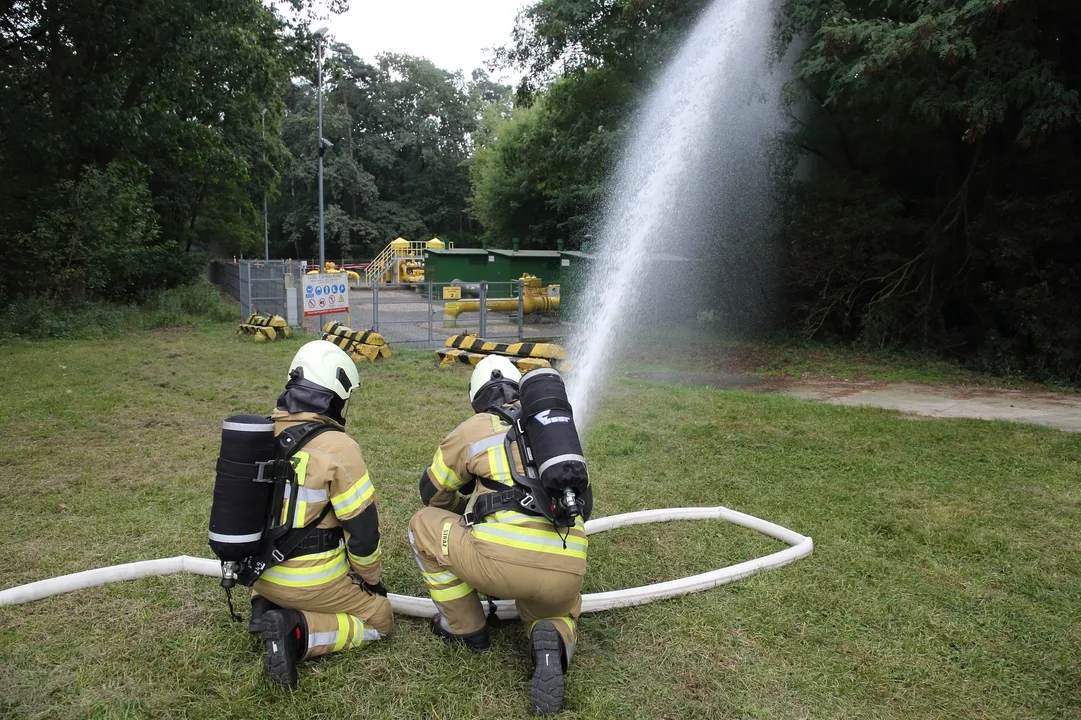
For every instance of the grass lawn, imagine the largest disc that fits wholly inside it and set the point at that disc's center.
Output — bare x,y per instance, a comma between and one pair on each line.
945,581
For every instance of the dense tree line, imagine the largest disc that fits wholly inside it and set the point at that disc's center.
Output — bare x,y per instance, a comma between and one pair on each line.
942,206
946,210
937,205
130,130
136,134
402,134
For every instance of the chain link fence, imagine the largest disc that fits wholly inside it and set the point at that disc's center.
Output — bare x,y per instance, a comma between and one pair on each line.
423,315
267,286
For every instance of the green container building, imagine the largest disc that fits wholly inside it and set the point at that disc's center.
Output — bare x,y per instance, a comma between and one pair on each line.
509,265
575,270
465,264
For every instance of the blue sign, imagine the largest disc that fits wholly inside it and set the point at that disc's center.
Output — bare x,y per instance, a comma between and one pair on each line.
318,291
309,290
326,289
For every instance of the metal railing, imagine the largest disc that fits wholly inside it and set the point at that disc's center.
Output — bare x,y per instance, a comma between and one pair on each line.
418,315
421,316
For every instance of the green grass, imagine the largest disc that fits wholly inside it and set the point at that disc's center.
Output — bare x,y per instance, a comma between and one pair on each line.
945,581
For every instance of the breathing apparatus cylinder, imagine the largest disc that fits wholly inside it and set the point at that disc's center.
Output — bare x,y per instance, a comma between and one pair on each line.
547,421
243,487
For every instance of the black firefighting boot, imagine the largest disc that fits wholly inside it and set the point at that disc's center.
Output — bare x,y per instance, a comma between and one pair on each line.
549,665
285,638
259,607
476,641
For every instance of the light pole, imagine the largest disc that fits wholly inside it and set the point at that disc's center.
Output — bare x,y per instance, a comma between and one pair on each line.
321,34
266,231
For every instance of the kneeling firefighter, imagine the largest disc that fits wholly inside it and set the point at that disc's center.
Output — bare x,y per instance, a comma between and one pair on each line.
507,496
294,517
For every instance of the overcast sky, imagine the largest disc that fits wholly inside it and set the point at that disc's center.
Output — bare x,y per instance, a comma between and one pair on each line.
451,33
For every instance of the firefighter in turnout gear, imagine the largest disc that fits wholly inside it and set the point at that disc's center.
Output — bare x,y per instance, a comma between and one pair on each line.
505,554
326,595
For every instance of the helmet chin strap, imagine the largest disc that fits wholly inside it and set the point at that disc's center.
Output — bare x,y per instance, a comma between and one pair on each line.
495,394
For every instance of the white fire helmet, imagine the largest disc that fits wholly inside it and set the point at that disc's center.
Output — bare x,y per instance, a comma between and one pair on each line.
493,368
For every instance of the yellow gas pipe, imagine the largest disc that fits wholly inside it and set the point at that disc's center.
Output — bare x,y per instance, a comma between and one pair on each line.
530,304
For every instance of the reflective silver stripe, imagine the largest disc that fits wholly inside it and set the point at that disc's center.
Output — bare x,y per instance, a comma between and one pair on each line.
322,638
307,494
371,635
439,579
544,371
247,427
494,529
483,445
559,459
218,537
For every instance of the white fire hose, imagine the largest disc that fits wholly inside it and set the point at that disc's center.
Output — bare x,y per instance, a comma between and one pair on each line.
423,607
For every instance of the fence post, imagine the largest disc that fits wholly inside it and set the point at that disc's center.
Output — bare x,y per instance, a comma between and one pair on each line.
251,309
375,306
521,306
483,309
429,312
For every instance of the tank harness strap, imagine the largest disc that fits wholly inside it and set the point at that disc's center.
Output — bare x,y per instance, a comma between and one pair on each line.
513,499
320,540
265,472
294,539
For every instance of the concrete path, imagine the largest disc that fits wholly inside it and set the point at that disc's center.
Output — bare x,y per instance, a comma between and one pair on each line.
1057,410
1062,411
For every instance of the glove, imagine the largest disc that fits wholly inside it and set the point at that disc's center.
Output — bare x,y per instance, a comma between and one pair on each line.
376,589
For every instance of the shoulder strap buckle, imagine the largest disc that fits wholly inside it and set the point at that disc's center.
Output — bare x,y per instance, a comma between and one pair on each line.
470,518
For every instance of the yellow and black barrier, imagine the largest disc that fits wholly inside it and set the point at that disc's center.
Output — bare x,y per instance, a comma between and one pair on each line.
362,345
366,337
449,356
546,351
264,328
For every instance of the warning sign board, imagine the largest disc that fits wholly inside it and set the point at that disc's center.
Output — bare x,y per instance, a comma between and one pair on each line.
326,293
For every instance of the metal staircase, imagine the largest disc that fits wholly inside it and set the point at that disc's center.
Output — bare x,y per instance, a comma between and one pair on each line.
386,261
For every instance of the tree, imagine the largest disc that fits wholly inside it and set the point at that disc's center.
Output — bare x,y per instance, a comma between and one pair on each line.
162,99
944,208
403,133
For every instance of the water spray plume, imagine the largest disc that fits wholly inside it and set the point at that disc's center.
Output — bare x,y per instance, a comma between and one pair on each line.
711,104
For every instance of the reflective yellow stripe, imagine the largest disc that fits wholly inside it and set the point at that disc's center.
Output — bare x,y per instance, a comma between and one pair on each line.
301,466
442,472
324,572
513,517
444,539
450,593
570,623
525,538
354,497
368,559
343,631
499,465
299,462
